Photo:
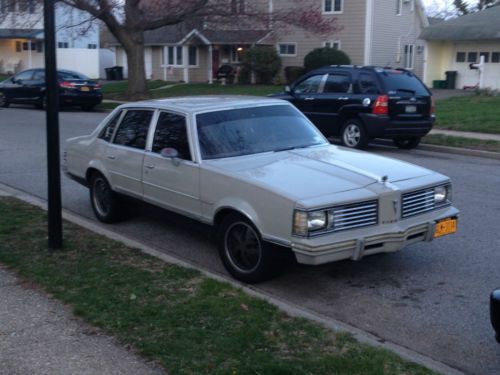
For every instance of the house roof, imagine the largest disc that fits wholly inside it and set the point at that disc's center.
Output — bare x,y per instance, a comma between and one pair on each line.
20,33
481,25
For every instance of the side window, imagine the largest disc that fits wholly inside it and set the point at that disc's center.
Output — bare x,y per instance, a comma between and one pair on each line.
109,129
24,76
39,75
171,132
133,129
367,84
309,85
338,83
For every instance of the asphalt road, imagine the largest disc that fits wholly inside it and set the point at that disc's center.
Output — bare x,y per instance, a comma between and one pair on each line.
430,297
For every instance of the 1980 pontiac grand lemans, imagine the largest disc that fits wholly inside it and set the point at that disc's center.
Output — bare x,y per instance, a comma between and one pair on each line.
264,177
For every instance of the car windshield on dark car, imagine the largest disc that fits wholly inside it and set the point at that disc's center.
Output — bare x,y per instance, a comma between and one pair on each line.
246,131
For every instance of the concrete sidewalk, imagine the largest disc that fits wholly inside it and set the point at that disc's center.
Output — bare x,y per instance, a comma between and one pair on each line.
455,133
39,336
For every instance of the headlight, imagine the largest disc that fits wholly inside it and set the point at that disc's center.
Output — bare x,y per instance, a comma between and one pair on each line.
442,194
313,221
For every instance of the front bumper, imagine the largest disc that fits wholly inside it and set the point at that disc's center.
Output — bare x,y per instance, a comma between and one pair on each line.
368,241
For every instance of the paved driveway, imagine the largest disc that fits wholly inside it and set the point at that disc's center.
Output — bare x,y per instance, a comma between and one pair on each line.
430,297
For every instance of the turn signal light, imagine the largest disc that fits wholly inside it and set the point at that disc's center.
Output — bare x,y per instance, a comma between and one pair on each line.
381,106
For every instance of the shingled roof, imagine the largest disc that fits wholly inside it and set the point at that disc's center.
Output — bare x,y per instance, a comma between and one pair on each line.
483,25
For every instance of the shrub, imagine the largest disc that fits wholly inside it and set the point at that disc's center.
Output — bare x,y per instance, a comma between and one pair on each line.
293,72
264,61
320,57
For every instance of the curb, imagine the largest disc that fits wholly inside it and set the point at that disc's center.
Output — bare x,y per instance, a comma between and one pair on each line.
287,307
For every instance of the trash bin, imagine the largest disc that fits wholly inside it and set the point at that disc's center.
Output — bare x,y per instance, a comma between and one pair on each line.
438,84
118,73
110,74
451,79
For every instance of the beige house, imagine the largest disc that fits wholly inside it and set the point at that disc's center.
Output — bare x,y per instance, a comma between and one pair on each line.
371,32
455,44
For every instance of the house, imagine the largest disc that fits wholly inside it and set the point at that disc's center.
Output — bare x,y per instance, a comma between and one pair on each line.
22,38
454,44
372,32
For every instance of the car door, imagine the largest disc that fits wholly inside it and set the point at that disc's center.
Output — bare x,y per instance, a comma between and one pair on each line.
123,158
16,90
173,183
305,96
35,88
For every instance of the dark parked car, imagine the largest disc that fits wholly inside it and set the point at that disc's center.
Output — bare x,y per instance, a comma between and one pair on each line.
495,312
359,103
28,87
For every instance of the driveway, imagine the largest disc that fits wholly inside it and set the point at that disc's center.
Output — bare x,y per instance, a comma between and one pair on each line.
430,297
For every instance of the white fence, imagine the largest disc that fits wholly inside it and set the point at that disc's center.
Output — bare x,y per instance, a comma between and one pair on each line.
82,60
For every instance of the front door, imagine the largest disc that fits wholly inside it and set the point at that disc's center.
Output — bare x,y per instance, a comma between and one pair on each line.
305,96
173,183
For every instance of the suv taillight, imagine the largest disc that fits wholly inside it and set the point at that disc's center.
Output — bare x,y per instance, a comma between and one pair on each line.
381,106
433,106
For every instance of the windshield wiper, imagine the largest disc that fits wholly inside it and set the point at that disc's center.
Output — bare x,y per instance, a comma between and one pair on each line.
407,90
291,148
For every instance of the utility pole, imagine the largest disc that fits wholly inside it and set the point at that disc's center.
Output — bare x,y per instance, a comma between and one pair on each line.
52,116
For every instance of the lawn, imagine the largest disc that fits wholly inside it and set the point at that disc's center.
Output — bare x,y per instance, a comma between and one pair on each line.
120,87
188,323
474,113
216,89
3,77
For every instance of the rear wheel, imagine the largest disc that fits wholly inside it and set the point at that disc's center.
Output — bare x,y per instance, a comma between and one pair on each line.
243,252
406,143
42,102
353,134
105,202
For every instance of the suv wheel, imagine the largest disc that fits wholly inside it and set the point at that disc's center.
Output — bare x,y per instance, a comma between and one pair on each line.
105,202
243,252
353,134
407,143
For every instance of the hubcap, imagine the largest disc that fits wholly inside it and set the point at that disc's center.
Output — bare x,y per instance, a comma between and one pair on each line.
102,197
242,247
352,135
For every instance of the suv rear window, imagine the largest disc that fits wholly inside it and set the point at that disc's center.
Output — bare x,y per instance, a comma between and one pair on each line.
400,82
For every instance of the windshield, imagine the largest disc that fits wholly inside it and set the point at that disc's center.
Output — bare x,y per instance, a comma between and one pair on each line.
398,82
247,131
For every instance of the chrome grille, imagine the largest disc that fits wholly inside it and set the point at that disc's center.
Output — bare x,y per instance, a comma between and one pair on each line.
419,202
355,215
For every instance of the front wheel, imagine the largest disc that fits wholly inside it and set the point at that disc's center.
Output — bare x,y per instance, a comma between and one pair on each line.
3,101
406,143
243,252
353,134
105,202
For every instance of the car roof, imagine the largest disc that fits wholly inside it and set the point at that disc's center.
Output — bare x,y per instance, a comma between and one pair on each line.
205,103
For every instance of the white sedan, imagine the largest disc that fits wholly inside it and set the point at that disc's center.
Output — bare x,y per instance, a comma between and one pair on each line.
265,178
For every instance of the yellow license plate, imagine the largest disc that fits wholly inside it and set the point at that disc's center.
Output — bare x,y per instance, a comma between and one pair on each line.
84,88
446,226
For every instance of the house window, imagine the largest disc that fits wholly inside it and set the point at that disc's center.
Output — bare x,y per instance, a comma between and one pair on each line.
27,46
333,6
236,53
472,57
92,46
62,45
335,44
495,57
287,49
174,55
178,55
460,57
39,46
193,55
486,56
19,46
409,56
399,7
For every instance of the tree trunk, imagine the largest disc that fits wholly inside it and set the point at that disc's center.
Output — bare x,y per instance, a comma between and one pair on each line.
134,48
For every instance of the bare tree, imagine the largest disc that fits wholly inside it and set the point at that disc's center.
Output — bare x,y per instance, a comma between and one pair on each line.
128,20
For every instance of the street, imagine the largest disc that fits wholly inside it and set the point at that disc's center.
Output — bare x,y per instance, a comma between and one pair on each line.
430,297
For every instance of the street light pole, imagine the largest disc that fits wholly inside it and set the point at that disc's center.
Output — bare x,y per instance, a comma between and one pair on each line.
52,117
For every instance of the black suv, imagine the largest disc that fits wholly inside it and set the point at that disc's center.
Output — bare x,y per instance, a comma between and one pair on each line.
359,103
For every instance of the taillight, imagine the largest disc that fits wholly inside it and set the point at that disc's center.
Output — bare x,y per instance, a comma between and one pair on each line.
381,106
67,85
97,86
433,106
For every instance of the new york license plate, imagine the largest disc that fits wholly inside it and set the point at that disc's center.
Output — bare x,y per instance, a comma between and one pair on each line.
446,226
84,88
411,108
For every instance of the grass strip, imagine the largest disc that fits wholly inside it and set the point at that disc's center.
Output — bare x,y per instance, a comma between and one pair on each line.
121,87
475,113
461,142
185,321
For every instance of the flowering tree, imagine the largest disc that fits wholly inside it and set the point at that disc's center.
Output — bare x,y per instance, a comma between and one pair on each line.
128,20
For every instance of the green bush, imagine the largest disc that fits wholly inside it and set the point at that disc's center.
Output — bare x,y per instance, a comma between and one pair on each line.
320,57
264,61
293,72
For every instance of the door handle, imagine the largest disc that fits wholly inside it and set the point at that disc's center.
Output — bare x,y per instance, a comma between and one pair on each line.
112,157
343,98
150,166
309,98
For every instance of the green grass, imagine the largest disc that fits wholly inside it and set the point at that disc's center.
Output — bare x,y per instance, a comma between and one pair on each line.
216,89
469,113
188,323
461,142
121,86
3,77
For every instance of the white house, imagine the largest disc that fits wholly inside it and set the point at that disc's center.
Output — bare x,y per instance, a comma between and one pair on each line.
22,38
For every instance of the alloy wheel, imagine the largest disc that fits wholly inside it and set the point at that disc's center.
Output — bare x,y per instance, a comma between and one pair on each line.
242,247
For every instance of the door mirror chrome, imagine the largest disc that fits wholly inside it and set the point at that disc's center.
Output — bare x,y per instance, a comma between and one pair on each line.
495,312
170,153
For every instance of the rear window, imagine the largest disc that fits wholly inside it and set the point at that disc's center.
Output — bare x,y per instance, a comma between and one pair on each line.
398,82
68,75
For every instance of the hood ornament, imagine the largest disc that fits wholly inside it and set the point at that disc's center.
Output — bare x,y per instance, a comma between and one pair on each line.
384,179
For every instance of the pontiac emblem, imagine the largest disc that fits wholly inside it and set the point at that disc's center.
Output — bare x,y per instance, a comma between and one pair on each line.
395,206
384,179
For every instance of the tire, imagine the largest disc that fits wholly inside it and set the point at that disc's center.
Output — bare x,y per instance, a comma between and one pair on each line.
105,202
243,252
406,143
3,101
353,134
42,103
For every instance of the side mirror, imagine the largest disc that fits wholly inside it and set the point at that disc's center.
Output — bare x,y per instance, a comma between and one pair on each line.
495,312
288,89
170,153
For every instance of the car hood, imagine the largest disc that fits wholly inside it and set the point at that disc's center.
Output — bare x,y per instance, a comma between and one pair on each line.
316,171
